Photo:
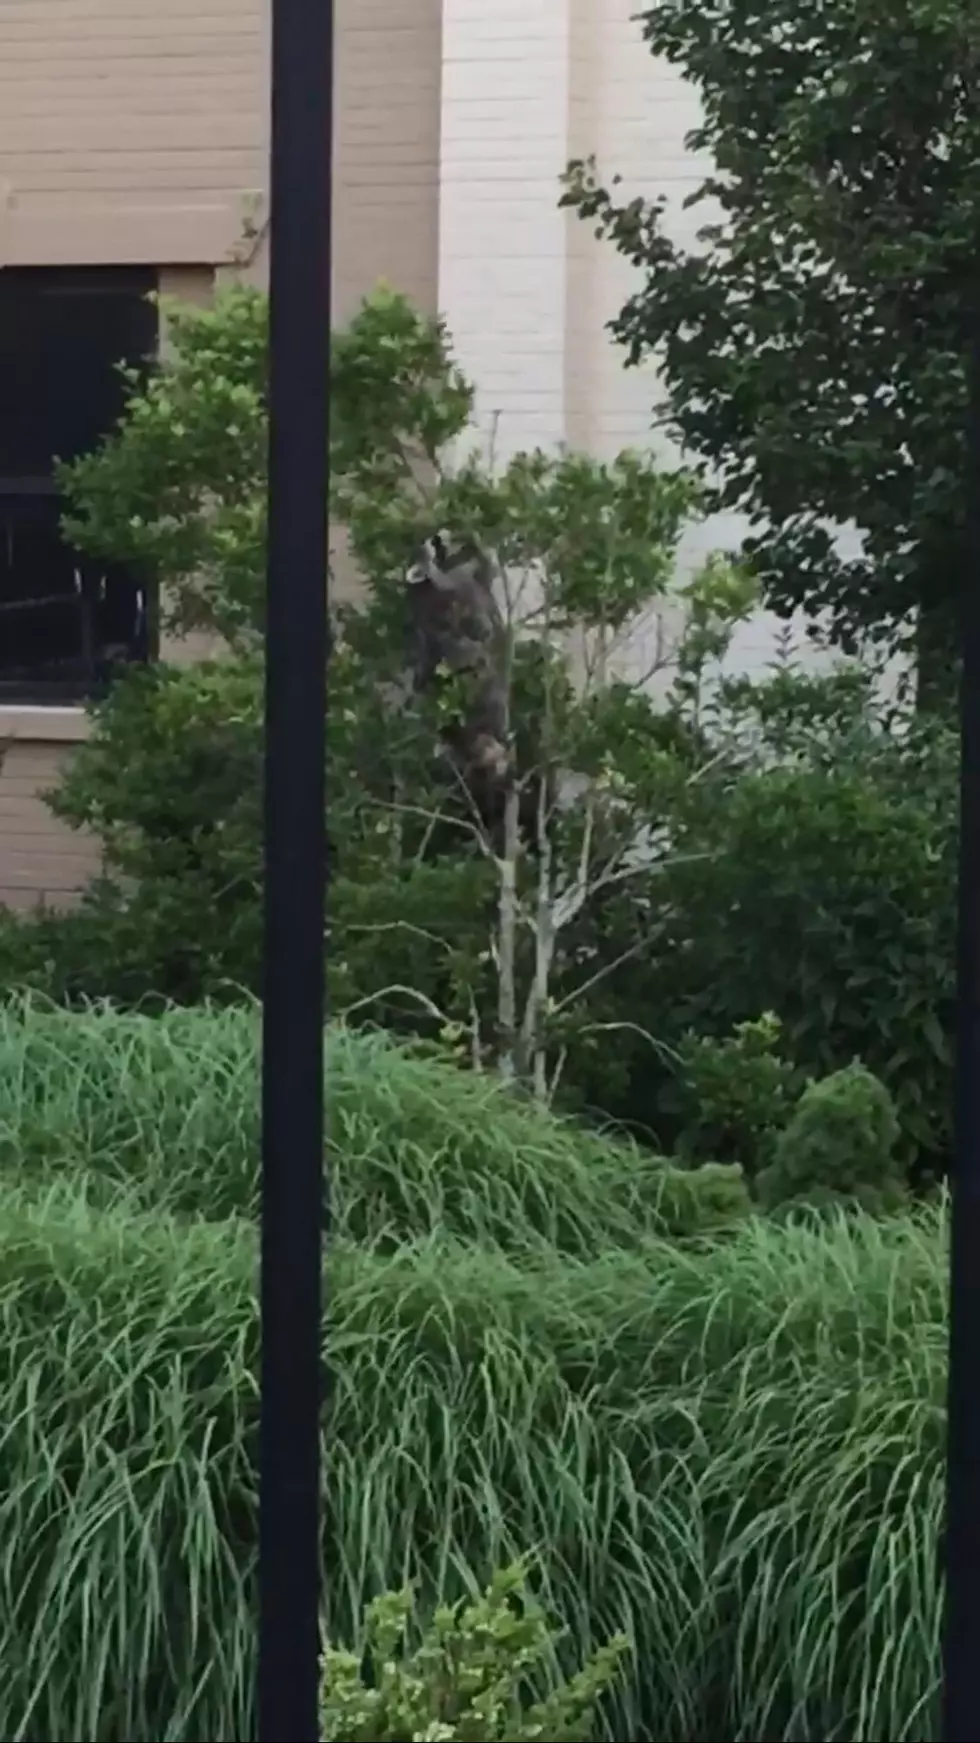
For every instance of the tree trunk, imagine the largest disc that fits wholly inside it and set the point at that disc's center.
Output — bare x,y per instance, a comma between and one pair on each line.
544,949
507,1037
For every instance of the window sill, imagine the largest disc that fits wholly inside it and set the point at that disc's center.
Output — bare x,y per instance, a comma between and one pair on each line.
40,725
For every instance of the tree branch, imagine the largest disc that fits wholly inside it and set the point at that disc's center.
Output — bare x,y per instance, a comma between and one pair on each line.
600,975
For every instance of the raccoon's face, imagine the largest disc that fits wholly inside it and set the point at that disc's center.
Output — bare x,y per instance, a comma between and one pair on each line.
441,559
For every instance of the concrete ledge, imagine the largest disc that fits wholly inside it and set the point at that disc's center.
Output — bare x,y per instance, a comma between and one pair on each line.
76,235
43,725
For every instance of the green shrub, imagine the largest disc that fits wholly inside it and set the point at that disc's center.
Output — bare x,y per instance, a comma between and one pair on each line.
732,1095
814,877
466,1677
169,782
838,1147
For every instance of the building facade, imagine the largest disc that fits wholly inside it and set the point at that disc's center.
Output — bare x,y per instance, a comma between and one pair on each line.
134,155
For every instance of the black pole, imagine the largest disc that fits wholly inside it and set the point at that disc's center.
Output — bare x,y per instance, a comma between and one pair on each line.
961,1668
295,869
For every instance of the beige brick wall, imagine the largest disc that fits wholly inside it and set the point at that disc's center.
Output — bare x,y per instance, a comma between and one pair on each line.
388,69
40,860
130,131
135,132
386,199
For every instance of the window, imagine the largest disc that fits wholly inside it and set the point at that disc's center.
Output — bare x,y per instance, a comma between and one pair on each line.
65,621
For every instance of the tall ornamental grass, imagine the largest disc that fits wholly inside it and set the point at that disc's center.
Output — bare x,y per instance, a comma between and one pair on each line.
732,1448
168,1109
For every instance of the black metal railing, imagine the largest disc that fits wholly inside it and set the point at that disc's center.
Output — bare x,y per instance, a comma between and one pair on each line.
66,623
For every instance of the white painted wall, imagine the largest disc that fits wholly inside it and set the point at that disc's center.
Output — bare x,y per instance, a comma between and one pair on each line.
503,254
525,288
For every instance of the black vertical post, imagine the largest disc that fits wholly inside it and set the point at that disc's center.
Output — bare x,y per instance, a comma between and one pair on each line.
961,1680
295,869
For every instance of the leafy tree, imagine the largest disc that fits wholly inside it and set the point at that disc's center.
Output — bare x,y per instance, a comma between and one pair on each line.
580,551
170,778
496,934
813,345
179,486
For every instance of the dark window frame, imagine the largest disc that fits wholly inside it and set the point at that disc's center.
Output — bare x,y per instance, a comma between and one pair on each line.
110,627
